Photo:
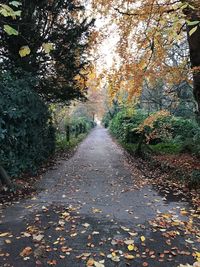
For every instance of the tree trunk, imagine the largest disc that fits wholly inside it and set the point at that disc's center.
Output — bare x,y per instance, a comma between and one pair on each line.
194,45
5,178
67,131
77,131
138,151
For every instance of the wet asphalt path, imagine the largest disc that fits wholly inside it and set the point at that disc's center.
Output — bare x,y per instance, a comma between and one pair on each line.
89,207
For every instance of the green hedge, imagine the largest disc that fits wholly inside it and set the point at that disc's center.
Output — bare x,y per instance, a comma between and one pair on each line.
84,124
123,124
75,131
187,133
184,134
171,135
27,136
106,119
184,128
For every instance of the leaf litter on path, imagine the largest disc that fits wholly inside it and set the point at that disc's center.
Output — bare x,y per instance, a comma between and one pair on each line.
62,234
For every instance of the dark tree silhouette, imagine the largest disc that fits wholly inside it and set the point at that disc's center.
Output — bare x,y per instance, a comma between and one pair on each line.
53,22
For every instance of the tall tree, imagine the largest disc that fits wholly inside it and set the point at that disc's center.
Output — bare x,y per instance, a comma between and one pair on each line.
51,44
193,15
48,40
148,30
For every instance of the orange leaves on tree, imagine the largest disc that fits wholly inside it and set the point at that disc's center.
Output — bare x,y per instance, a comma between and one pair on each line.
148,31
148,129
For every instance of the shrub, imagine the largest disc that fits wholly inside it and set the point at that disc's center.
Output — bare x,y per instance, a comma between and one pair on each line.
63,145
167,148
80,124
123,125
26,132
106,120
183,129
156,127
195,178
165,133
74,129
187,133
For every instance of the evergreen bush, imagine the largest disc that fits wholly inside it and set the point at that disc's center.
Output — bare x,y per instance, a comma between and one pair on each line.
27,136
123,125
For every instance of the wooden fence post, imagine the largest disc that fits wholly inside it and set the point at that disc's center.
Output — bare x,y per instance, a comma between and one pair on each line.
67,133
81,128
77,131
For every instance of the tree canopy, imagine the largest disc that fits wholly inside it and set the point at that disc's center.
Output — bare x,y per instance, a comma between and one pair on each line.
50,42
153,40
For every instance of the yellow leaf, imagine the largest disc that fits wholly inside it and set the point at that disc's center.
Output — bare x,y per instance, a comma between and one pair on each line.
96,210
47,47
7,11
24,51
193,30
129,257
142,238
184,212
10,30
197,254
130,247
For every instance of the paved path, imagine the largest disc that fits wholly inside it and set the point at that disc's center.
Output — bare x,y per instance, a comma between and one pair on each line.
89,207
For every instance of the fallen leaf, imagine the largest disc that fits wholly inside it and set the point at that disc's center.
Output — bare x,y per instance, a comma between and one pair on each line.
86,225
4,234
184,212
113,257
52,262
90,262
130,247
83,255
26,252
197,255
94,210
99,264
24,51
95,233
38,237
128,242
47,47
185,265
129,256
196,264
7,241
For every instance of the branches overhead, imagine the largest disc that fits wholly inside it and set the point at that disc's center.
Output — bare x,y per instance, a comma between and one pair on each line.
152,42
51,44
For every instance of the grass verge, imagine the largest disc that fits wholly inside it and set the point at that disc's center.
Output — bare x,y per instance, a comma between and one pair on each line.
63,145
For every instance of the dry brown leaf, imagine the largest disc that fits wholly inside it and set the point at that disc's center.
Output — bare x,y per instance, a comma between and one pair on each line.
26,252
129,256
52,262
90,262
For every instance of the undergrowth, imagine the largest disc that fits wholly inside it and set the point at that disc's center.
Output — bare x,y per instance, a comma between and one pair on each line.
63,145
